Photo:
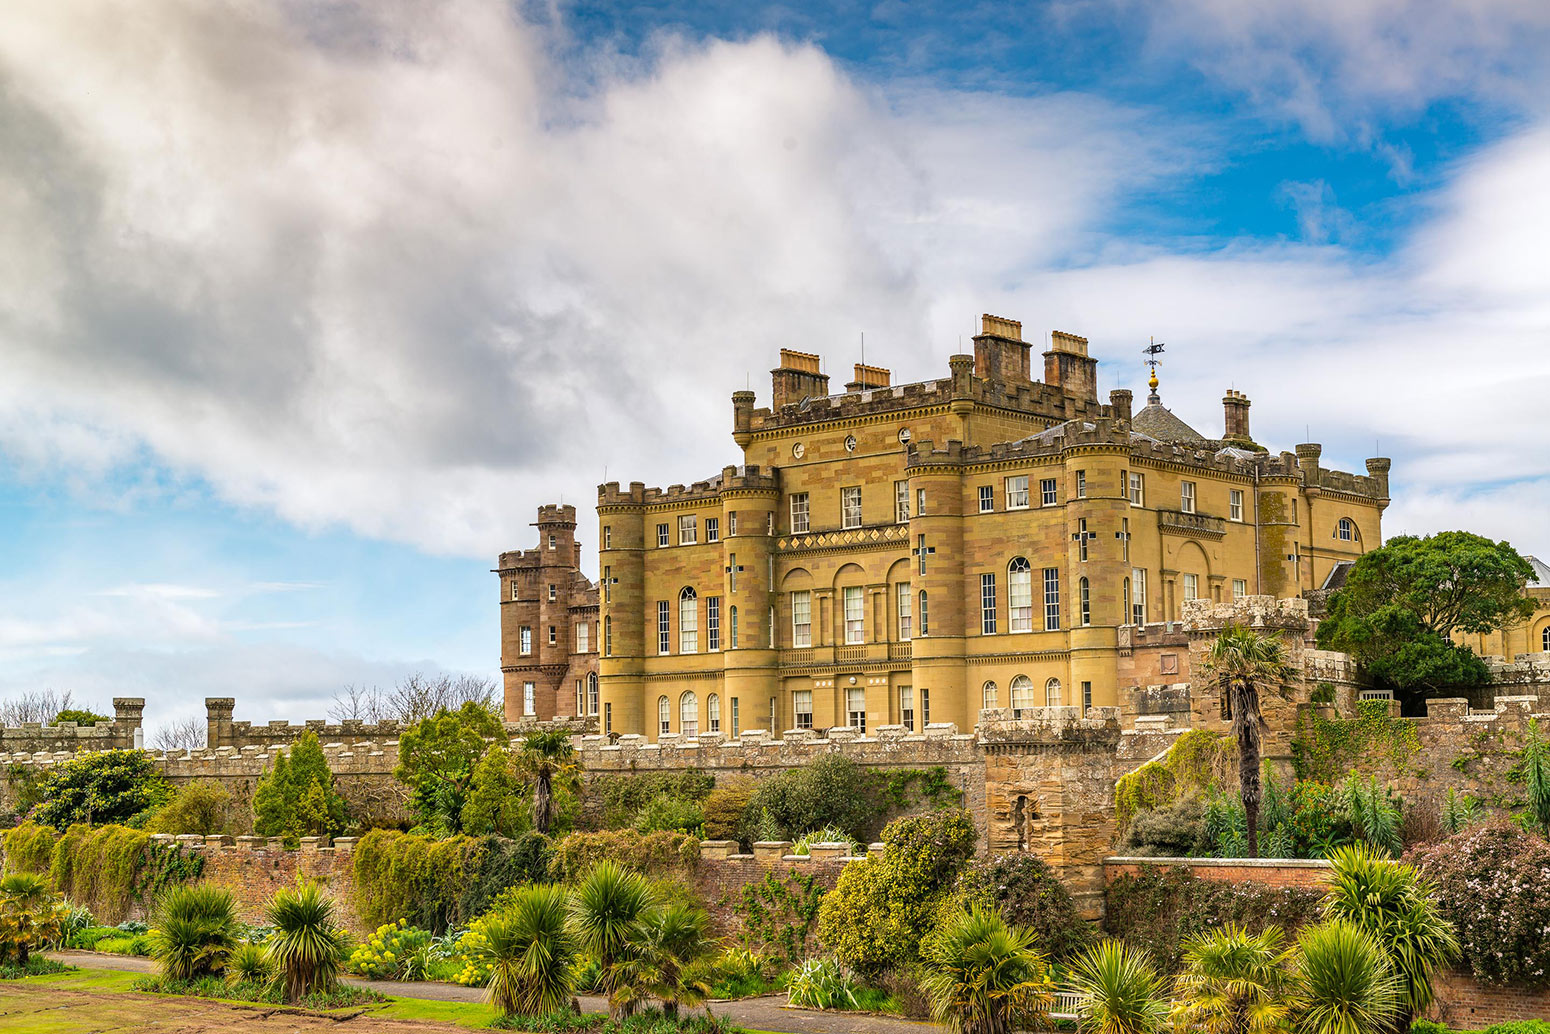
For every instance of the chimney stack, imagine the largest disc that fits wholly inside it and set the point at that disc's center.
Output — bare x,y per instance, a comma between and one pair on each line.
1120,401
869,377
1068,367
799,376
1000,353
1235,411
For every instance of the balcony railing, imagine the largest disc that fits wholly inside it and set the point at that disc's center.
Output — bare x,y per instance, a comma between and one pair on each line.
1180,523
844,653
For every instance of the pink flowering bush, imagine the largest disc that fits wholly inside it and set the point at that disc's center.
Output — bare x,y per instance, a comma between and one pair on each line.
1493,883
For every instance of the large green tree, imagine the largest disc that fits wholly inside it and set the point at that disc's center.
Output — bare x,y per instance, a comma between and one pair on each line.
1402,603
296,798
437,759
1240,662
101,787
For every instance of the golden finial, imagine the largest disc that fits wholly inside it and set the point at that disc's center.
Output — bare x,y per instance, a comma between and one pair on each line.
1153,382
1153,350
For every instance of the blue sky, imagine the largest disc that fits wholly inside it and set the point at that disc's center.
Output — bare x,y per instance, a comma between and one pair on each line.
306,307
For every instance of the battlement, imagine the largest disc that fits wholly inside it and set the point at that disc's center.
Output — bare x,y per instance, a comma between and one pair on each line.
552,513
755,748
731,479
115,734
1204,617
1000,728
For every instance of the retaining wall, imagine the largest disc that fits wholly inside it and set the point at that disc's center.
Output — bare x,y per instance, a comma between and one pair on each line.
1306,873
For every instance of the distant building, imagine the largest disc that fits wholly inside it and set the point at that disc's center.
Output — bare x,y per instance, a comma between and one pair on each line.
905,554
1531,636
549,624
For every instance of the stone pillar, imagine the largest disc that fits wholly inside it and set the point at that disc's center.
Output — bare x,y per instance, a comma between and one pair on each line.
128,715
218,710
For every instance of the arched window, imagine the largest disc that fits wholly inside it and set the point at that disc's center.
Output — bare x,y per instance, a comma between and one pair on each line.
688,622
592,693
732,626
713,712
1022,696
664,716
1052,693
689,714
925,617
1086,600
1346,531
1544,639
988,695
1019,595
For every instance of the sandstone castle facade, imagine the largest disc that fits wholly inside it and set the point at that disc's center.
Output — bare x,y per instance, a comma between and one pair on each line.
912,554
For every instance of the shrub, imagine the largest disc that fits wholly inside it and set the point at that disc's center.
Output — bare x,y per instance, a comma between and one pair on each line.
1490,885
296,798
723,808
1121,990
203,806
37,966
195,931
29,848
80,716
655,854
1197,760
249,963
822,984
388,951
831,791
307,947
1023,890
606,911
615,801
413,877
105,869
102,787
671,813
31,916
497,801
986,978
1347,984
1233,980
1175,830
531,953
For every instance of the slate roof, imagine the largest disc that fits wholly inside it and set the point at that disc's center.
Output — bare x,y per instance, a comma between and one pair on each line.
1541,578
1157,421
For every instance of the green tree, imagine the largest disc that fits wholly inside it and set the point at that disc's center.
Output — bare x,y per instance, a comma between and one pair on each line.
496,801
102,787
1402,603
196,931
1346,983
80,716
985,978
296,798
549,758
31,915
1235,982
1397,907
307,947
531,953
832,791
666,945
1240,662
606,912
1121,990
437,757
202,806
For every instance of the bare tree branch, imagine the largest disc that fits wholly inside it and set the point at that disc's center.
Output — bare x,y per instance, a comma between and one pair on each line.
39,705
184,734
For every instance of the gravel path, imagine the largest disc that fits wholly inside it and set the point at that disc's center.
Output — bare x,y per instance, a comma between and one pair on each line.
768,1013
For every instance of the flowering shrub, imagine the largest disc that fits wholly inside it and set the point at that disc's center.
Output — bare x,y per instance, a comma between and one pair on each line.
387,952
1493,884
474,971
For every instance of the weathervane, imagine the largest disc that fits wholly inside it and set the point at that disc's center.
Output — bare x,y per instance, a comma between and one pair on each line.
1152,351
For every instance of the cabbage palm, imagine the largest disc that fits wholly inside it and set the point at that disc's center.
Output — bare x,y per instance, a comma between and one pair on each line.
1348,985
985,977
1240,662
307,948
1121,991
667,943
531,953
1394,904
1234,982
30,915
196,931
606,912
549,758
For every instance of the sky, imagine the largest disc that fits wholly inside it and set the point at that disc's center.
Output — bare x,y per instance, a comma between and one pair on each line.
306,307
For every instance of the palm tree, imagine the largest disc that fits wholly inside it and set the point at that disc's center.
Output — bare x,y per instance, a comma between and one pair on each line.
1348,986
668,941
30,915
1121,991
306,949
549,757
1239,662
531,952
985,977
1397,907
606,912
1234,982
196,931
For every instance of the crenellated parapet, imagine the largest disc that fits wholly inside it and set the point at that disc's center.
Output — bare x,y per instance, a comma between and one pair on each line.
756,751
117,734
731,480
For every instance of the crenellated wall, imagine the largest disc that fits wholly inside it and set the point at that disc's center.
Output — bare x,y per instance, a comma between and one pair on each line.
117,734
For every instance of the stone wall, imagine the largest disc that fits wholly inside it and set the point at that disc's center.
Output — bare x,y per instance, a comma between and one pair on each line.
253,868
1272,872
722,873
117,734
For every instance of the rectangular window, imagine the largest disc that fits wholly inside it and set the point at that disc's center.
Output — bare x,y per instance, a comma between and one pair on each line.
1191,586
925,707
583,637
529,703
901,501
732,572
552,593
1081,484
661,535
988,604
581,700
802,618
1235,505
771,634
920,502
1017,492
713,529
1137,489
1124,537
773,720
802,708
855,709
608,584
1051,599
713,622
1087,698
1137,596
799,513
688,530
1240,588
1084,590
591,694
608,636
1048,492
925,616
525,640
920,549
553,636
515,594
608,536
1081,539
732,522
1187,496
850,507
904,594
769,524
608,718
732,627
737,721
987,499
664,629
907,707
855,621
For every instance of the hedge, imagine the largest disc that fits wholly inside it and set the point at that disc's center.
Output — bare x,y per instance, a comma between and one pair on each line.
663,853
108,869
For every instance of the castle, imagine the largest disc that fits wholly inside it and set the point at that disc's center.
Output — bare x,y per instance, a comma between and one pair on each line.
915,553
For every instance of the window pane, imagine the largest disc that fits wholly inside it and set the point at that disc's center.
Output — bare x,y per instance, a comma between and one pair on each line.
1016,491
988,604
855,631
1051,598
802,618
850,507
1020,596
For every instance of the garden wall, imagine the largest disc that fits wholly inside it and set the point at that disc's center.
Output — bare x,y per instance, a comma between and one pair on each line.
1271,872
1464,1003
253,868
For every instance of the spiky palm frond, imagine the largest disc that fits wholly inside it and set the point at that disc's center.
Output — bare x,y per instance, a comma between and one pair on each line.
985,977
1347,983
307,948
1241,662
1235,982
606,911
1121,991
531,952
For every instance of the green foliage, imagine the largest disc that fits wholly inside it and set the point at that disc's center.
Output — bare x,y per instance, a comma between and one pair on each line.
1235,981
437,757
496,864
615,801
307,947
101,787
388,951
1196,761
723,808
29,848
497,798
778,915
267,991
1121,991
1161,907
550,760
1373,812
985,978
831,791
1324,749
531,953
413,877
296,798
1402,602
882,908
26,786
606,911
1489,883
37,966
31,916
1023,891
203,806
657,853
1458,811
80,716
105,869
1535,766
671,813
827,835
822,984
249,963
196,930
1347,984
1518,1027
665,957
